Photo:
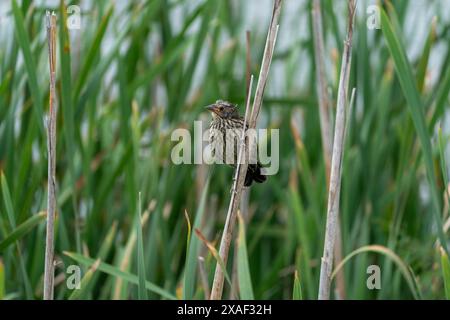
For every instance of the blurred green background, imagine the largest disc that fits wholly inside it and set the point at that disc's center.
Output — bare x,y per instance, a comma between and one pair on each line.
137,70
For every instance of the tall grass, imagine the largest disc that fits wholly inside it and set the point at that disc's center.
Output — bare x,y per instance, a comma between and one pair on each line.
137,70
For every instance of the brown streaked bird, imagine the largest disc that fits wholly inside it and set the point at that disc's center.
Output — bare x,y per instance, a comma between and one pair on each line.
227,126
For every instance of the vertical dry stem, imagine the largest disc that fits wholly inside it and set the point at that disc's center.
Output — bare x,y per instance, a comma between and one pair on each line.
336,162
325,124
241,168
322,93
51,148
245,192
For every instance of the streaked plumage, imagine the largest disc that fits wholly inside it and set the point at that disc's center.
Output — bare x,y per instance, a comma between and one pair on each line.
227,126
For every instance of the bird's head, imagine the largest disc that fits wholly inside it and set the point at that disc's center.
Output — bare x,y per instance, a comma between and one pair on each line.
223,109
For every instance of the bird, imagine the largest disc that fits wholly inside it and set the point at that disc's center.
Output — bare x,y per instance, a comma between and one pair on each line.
226,126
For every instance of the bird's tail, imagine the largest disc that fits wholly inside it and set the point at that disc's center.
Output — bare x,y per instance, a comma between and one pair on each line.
254,174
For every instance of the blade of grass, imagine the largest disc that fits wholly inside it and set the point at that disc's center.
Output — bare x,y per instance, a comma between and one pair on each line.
188,222
106,245
142,293
404,268
304,234
5,84
88,285
24,228
215,254
67,109
84,284
163,63
186,79
443,162
2,280
7,200
441,98
116,272
297,290
93,52
12,221
120,287
30,65
445,265
414,102
190,272
244,278
423,63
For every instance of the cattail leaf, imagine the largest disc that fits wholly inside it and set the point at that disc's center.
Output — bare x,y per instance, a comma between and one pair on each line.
78,294
116,272
297,291
21,230
93,52
30,65
2,280
244,276
140,255
445,265
190,272
415,106
404,268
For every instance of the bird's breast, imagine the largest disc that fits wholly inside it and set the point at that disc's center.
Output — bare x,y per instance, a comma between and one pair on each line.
224,139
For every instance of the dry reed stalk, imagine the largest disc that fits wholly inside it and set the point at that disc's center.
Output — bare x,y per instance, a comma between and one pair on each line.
322,90
237,189
245,192
336,162
49,275
241,168
325,125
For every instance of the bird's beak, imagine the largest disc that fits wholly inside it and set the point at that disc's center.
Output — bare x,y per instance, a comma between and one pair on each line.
212,108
